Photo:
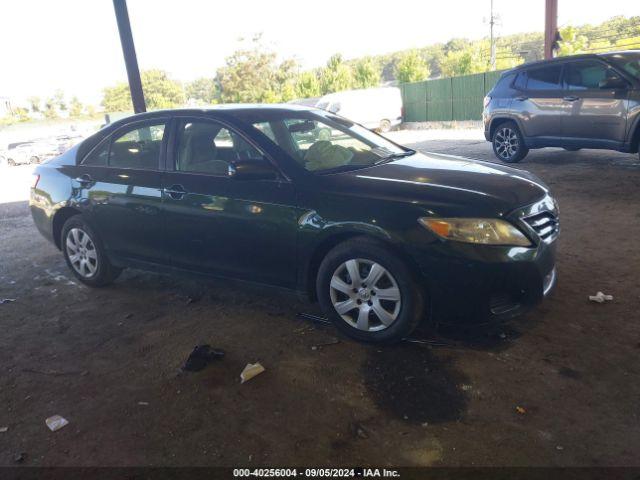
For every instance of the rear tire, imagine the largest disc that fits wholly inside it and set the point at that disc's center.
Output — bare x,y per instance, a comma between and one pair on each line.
387,309
85,254
508,143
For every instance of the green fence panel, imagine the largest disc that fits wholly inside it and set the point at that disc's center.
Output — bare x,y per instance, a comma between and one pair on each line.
414,101
467,94
490,79
439,100
445,99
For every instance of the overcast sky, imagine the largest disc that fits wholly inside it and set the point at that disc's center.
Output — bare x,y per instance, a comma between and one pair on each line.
74,44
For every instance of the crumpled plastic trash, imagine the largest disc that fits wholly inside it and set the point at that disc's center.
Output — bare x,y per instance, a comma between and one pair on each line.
600,297
250,371
201,356
7,300
56,422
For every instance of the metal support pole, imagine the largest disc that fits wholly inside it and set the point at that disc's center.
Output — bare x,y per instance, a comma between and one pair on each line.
550,27
492,56
130,59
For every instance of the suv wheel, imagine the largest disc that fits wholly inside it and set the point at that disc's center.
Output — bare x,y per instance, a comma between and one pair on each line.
508,144
368,293
85,255
11,162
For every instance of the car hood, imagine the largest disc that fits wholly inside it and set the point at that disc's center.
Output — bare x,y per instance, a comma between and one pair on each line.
448,184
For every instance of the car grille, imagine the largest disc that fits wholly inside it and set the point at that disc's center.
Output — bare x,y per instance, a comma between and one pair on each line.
545,224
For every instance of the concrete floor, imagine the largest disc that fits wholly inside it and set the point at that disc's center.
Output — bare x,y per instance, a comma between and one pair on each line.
93,355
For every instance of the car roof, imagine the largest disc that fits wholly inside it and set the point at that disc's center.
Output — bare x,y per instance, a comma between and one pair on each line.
222,108
582,56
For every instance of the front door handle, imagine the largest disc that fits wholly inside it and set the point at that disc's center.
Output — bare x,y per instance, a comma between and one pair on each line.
84,180
175,191
571,98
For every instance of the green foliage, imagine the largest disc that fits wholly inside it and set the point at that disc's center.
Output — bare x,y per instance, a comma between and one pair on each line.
50,109
75,108
204,91
308,85
411,67
252,75
336,76
35,104
366,73
160,92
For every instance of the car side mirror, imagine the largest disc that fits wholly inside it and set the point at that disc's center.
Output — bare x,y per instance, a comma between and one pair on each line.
615,83
252,169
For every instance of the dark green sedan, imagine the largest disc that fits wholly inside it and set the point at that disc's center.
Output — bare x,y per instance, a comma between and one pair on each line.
382,236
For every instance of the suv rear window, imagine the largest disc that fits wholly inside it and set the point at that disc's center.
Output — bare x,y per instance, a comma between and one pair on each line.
543,78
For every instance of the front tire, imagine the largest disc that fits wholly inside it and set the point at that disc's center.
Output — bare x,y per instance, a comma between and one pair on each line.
85,255
508,143
369,293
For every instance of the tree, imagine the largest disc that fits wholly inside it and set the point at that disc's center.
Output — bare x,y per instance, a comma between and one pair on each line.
50,108
336,75
75,108
59,101
203,91
308,85
252,75
35,104
160,92
464,62
366,73
411,68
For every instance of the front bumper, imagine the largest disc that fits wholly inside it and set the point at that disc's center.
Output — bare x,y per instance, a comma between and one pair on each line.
474,284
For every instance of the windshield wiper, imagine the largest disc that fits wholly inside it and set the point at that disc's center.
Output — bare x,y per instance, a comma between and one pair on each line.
393,156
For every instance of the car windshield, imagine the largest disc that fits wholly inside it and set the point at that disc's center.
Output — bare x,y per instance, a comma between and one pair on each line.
629,62
328,143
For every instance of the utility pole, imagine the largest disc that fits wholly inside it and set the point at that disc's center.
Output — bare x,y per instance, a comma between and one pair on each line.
130,59
550,27
492,21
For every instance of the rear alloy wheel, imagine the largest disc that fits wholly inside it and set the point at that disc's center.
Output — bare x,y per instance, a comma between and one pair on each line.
85,254
508,144
368,293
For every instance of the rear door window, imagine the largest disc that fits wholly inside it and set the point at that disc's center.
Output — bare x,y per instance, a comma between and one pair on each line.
138,147
544,78
210,147
586,75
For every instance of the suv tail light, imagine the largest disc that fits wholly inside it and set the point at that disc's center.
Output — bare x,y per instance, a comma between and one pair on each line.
486,101
36,179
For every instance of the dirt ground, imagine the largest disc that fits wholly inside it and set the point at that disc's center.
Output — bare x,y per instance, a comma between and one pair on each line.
93,355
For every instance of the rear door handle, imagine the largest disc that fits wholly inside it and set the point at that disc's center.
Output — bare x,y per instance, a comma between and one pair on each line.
522,98
84,180
175,191
571,98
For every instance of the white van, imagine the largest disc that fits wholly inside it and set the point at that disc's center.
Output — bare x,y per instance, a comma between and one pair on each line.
375,108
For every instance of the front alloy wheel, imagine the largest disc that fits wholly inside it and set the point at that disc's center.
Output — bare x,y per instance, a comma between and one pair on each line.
368,292
81,252
365,295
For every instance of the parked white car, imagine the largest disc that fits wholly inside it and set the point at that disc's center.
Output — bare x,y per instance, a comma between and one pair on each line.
375,108
20,154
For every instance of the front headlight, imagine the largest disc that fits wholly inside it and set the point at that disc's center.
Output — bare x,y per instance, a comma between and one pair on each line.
486,231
